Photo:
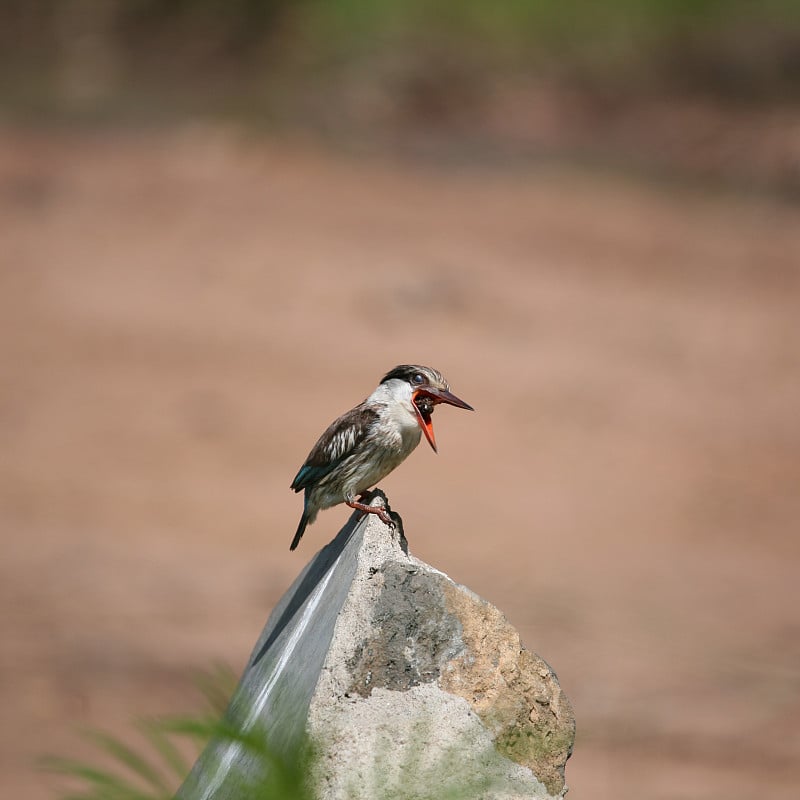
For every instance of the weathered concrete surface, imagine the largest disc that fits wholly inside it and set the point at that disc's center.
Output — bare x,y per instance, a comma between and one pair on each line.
405,681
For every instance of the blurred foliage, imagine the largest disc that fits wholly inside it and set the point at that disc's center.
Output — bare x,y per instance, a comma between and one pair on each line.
717,42
704,89
157,773
156,770
734,48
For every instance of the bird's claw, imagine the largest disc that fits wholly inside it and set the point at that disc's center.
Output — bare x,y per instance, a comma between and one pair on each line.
384,517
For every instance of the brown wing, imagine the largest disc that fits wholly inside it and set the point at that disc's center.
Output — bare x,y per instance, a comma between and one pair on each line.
341,438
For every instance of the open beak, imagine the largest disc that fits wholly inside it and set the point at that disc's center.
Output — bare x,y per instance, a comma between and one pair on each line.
437,396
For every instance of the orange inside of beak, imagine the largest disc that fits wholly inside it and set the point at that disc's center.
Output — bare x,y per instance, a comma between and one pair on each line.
424,415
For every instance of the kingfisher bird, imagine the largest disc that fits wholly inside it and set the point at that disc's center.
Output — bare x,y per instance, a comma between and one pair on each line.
364,445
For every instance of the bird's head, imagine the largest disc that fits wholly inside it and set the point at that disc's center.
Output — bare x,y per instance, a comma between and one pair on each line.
428,389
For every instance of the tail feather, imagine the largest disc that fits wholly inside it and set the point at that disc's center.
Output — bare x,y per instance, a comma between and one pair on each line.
301,529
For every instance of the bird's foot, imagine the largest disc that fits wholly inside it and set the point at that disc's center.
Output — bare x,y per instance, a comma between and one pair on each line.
381,512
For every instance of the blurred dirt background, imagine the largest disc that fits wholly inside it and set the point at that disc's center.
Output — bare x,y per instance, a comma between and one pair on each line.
214,238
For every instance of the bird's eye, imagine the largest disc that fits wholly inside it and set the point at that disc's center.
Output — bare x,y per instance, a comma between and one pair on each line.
418,378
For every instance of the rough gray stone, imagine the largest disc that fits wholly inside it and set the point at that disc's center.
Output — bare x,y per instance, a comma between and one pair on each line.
409,685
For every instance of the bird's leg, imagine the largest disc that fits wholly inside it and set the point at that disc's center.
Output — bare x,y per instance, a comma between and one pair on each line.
382,513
